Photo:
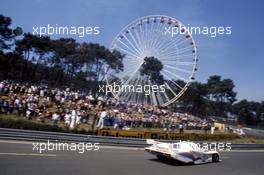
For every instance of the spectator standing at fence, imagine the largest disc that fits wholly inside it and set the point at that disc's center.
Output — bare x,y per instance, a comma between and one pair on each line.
73,119
67,119
181,128
101,120
55,118
212,129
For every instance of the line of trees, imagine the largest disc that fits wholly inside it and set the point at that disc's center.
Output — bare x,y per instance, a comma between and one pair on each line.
83,66
62,62
217,98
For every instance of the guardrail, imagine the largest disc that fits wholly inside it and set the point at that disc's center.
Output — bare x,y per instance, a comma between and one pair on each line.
30,135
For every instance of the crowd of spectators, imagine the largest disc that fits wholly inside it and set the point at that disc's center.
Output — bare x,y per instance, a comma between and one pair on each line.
39,102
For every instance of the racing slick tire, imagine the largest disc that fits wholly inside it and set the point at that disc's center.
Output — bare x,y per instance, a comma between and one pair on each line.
160,157
215,158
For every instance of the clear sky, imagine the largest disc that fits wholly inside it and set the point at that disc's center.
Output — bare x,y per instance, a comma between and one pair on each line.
238,56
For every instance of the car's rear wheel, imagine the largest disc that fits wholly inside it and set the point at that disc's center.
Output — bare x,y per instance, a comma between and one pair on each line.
160,157
215,158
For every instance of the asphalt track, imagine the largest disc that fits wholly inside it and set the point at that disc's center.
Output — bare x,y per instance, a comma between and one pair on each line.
17,158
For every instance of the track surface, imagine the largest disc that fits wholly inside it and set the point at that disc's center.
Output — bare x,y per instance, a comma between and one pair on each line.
19,159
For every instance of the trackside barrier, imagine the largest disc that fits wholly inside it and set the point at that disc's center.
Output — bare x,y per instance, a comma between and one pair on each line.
30,135
163,135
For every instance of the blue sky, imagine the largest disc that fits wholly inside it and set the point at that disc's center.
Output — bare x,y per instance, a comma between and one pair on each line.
238,56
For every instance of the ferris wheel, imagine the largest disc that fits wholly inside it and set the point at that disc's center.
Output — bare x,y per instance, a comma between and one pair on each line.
147,37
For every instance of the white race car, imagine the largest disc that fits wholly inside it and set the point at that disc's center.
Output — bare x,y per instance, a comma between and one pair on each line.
186,152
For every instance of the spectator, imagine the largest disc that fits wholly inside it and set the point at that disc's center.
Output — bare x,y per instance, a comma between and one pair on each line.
181,128
101,119
55,118
74,107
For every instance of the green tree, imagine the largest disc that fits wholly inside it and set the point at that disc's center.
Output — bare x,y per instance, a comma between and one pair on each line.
194,99
7,35
151,68
33,49
249,112
221,95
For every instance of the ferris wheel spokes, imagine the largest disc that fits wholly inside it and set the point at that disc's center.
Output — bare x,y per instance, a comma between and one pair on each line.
145,38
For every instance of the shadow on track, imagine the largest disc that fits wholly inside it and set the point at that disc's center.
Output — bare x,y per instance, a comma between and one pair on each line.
174,162
171,162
